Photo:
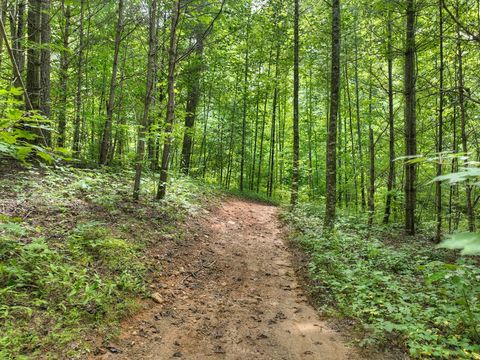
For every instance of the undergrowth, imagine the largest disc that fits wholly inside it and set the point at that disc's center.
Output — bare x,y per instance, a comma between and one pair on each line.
408,292
72,255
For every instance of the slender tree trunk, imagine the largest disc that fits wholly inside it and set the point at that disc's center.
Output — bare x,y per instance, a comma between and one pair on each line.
45,67
17,25
410,120
150,85
192,101
33,53
352,140
463,126
63,76
296,131
34,64
78,92
371,150
107,131
245,100
310,131
438,184
264,119
255,142
172,61
359,127
331,178
2,17
391,124
271,162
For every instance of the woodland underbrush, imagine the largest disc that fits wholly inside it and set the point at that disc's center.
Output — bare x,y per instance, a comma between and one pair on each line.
74,254
398,291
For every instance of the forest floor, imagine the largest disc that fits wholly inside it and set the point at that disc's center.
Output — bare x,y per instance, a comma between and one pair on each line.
232,293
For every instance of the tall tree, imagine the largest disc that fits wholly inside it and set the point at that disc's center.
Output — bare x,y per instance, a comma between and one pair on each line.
245,97
193,97
107,131
172,61
438,184
78,91
63,76
331,171
45,67
391,123
150,86
463,123
296,86
410,120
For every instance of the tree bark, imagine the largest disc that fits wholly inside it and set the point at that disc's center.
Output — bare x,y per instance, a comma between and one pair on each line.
193,98
78,92
17,26
296,87
150,85
245,100
391,124
63,76
438,184
463,126
172,61
410,120
107,131
33,53
331,176
45,67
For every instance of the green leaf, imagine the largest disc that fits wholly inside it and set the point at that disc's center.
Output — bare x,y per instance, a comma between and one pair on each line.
468,242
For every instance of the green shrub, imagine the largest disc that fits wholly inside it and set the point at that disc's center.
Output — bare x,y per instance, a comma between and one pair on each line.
432,307
47,292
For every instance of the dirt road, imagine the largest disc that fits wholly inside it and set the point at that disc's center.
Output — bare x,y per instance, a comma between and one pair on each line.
233,294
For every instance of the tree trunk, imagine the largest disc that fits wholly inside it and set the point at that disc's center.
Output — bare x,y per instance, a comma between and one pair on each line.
245,100
63,76
107,131
172,60
410,120
271,162
438,184
391,124
359,127
45,67
17,25
193,97
331,176
150,85
78,92
463,126
296,132
33,54
371,151
33,83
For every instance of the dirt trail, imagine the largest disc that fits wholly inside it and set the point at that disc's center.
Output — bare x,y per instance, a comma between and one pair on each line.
236,297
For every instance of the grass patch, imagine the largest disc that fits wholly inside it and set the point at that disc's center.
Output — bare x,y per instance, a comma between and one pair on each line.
74,255
408,293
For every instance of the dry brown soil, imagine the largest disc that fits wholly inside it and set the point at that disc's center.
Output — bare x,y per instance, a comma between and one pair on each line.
232,294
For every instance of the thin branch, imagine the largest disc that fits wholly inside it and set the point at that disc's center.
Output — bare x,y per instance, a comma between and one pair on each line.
204,35
475,37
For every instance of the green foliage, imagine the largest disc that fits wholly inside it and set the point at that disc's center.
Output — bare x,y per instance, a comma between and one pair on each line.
20,130
65,267
406,293
469,243
50,292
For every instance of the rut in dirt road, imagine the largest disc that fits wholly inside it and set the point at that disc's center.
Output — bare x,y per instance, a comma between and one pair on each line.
236,298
